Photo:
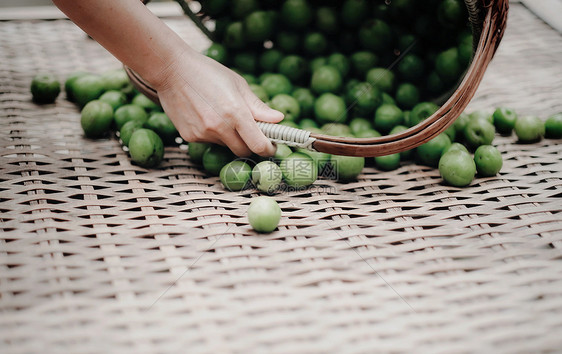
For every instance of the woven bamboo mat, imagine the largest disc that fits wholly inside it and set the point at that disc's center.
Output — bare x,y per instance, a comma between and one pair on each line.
98,255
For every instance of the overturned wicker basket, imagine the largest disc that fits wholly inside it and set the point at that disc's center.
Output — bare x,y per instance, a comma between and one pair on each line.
488,19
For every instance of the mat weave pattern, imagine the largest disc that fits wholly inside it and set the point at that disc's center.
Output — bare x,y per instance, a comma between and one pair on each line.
98,255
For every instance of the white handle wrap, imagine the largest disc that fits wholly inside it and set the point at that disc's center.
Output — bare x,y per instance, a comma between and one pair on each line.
282,134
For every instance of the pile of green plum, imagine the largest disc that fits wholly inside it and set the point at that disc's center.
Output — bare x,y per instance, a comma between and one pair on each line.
356,68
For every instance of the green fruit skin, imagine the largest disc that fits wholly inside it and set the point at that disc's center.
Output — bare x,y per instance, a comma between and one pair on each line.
488,160
308,123
296,14
504,120
96,118
69,84
127,131
362,62
430,152
282,152
407,96
289,123
382,78
287,41
465,50
270,59
299,170
448,65
215,157
234,35
330,108
315,44
340,62
456,146
163,126
250,78
387,117
321,159
353,12
115,79
217,52
294,67
347,168
317,63
287,105
241,8
127,113
479,132
457,168
451,133
336,129
246,62
267,177
275,84
357,125
258,26
45,88
364,99
375,35
421,111
388,162
482,115
387,99
529,129
235,175
264,214
451,13
314,130
461,122
411,68
259,92
306,99
369,133
146,103
196,151
326,79
404,155
87,88
146,148
327,20
434,84
553,126
114,98
130,91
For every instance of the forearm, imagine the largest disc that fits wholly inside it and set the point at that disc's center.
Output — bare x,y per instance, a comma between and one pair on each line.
204,99
128,30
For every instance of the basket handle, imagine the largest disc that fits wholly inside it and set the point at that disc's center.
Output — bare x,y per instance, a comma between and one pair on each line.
492,26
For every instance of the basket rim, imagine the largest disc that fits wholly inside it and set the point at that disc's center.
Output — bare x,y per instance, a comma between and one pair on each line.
492,28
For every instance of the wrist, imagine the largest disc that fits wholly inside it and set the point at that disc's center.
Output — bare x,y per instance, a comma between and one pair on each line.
160,74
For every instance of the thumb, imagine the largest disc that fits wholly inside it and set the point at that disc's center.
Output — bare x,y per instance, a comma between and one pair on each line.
260,110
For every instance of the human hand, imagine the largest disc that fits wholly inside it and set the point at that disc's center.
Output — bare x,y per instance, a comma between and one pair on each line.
210,103
205,100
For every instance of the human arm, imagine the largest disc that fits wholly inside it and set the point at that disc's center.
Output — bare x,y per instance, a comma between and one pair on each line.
205,100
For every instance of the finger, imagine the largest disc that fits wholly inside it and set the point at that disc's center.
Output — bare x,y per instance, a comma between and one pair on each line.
235,144
252,135
191,134
260,111
209,140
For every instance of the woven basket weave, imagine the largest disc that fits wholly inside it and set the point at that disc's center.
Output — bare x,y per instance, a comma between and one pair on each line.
98,255
488,19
